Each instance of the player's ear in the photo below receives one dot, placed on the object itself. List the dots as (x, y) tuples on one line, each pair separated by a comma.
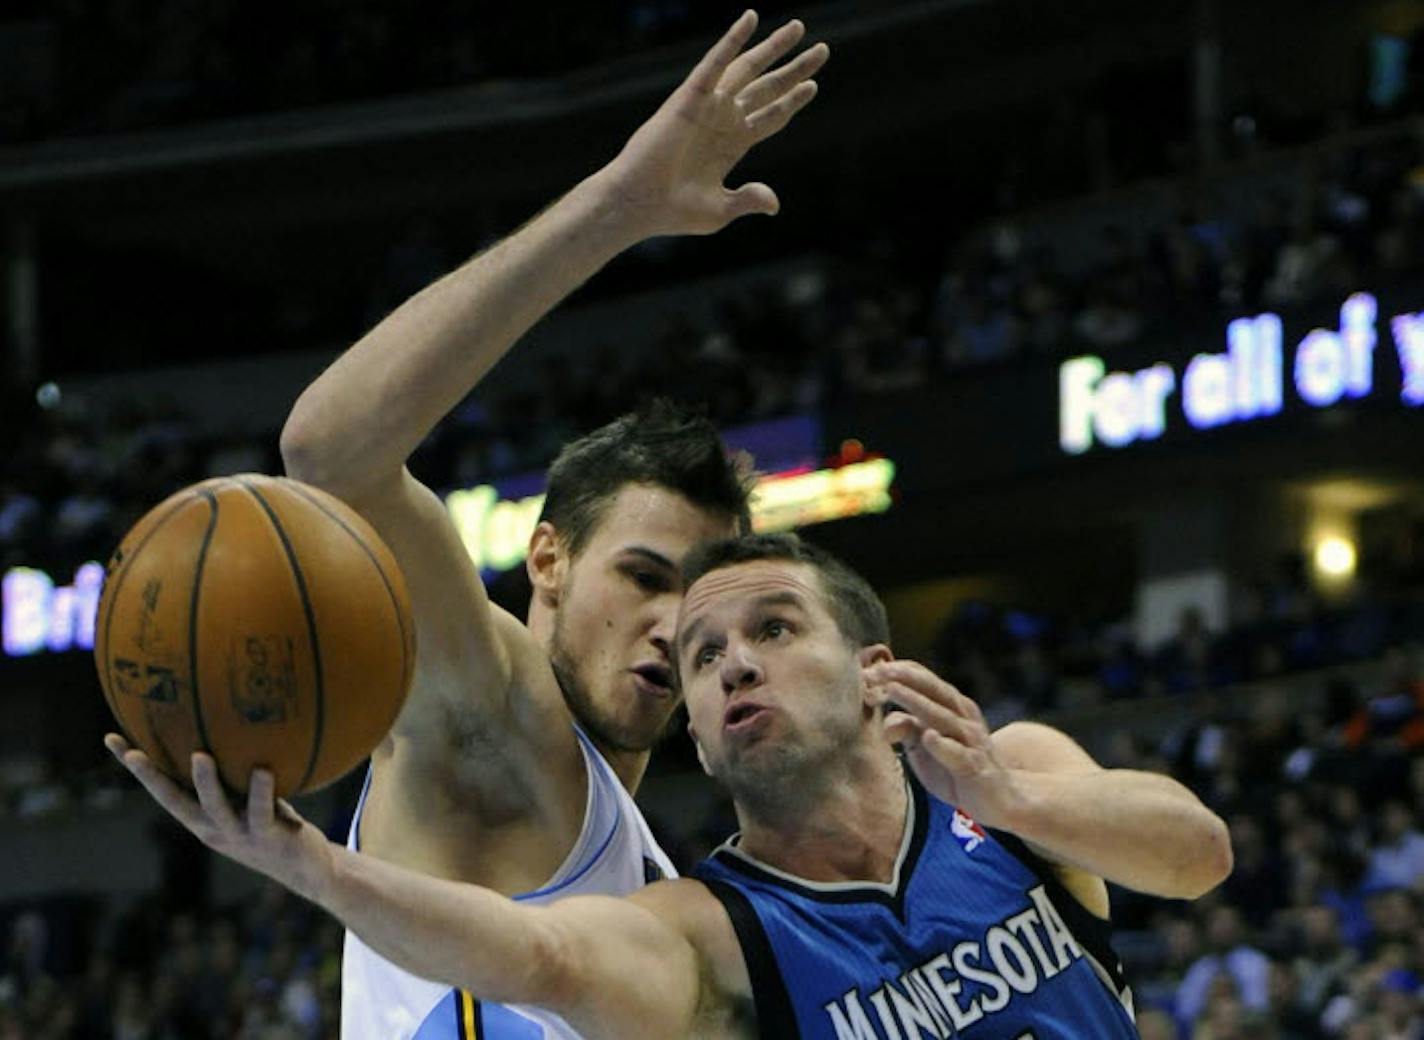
[(546, 564), (701, 757), (875, 653)]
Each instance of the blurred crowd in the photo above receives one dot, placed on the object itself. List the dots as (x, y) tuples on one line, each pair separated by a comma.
[(1319, 930), (269, 969), (1299, 236), (1025, 663)]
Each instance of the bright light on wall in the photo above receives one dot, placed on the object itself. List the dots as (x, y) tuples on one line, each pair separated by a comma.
[(1335, 557)]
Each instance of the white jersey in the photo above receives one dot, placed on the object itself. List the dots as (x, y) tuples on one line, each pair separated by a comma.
[(615, 853)]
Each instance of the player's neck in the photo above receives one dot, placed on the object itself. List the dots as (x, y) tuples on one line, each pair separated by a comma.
[(851, 832), (628, 766)]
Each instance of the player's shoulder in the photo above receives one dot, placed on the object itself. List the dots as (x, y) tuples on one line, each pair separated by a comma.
[(676, 898), (691, 907), (531, 674)]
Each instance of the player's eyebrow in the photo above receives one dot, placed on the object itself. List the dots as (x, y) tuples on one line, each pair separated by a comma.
[(689, 635), (650, 555), (784, 598)]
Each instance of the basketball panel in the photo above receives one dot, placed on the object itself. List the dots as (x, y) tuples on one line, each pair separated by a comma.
[(145, 639), (258, 667), (363, 618)]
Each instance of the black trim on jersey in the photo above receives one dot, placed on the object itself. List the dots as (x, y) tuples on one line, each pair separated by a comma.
[(1092, 932), (894, 901), (775, 1018)]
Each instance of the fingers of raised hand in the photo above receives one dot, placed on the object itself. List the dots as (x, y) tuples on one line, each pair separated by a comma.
[(918, 677), (765, 89), (774, 117), (763, 56), (961, 761), (704, 78), (934, 715), (902, 729), (751, 198)]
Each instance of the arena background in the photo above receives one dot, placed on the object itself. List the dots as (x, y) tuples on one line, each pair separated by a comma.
[(1202, 552)]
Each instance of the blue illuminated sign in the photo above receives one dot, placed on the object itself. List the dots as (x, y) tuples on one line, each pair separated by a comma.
[(38, 615), (1115, 409)]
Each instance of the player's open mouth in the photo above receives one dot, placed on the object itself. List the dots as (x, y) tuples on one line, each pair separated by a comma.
[(656, 678), (741, 713)]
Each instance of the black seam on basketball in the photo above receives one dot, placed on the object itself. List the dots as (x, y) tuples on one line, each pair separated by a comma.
[(108, 621), (193, 623), (296, 488), (311, 628)]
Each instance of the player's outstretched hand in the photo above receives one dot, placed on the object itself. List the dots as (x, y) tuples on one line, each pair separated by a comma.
[(670, 175), (945, 738), (271, 837)]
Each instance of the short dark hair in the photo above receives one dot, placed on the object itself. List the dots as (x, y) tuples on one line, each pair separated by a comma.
[(663, 444), (848, 597)]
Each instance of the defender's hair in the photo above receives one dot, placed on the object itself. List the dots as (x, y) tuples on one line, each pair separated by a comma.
[(662, 444), (848, 597)]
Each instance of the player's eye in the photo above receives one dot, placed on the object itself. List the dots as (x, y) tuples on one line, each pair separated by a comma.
[(775, 628), (648, 581), (705, 656)]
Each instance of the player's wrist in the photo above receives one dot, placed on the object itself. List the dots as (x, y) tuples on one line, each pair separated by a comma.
[(616, 204), (315, 877), (1018, 803)]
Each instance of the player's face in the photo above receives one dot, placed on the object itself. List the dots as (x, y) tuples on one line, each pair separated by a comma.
[(618, 609), (772, 685)]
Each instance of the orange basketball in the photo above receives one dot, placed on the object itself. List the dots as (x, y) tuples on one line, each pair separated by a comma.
[(258, 619)]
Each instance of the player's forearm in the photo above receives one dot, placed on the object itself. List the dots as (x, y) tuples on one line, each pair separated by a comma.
[(1141, 830), (460, 934), (361, 419)]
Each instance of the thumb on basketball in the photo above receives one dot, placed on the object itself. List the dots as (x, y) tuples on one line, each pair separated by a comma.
[(287, 816)]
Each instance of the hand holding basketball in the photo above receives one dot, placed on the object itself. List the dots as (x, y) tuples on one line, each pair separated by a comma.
[(260, 621), (271, 837)]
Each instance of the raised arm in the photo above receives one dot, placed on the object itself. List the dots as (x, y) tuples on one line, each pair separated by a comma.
[(353, 429), (612, 967), (356, 425), (1142, 830)]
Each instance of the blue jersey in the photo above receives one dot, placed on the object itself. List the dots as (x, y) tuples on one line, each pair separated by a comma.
[(974, 937)]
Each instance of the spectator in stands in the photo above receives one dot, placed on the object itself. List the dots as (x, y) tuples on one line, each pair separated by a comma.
[(1245, 969), (1255, 881), (1397, 860), (1395, 715), (1322, 962)]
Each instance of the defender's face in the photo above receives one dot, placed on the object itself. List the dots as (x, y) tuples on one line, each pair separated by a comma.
[(770, 681), (618, 610)]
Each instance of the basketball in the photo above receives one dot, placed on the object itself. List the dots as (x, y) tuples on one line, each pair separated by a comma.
[(258, 619)]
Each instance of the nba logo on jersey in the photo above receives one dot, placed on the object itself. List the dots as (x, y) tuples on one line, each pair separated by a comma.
[(968, 833)]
